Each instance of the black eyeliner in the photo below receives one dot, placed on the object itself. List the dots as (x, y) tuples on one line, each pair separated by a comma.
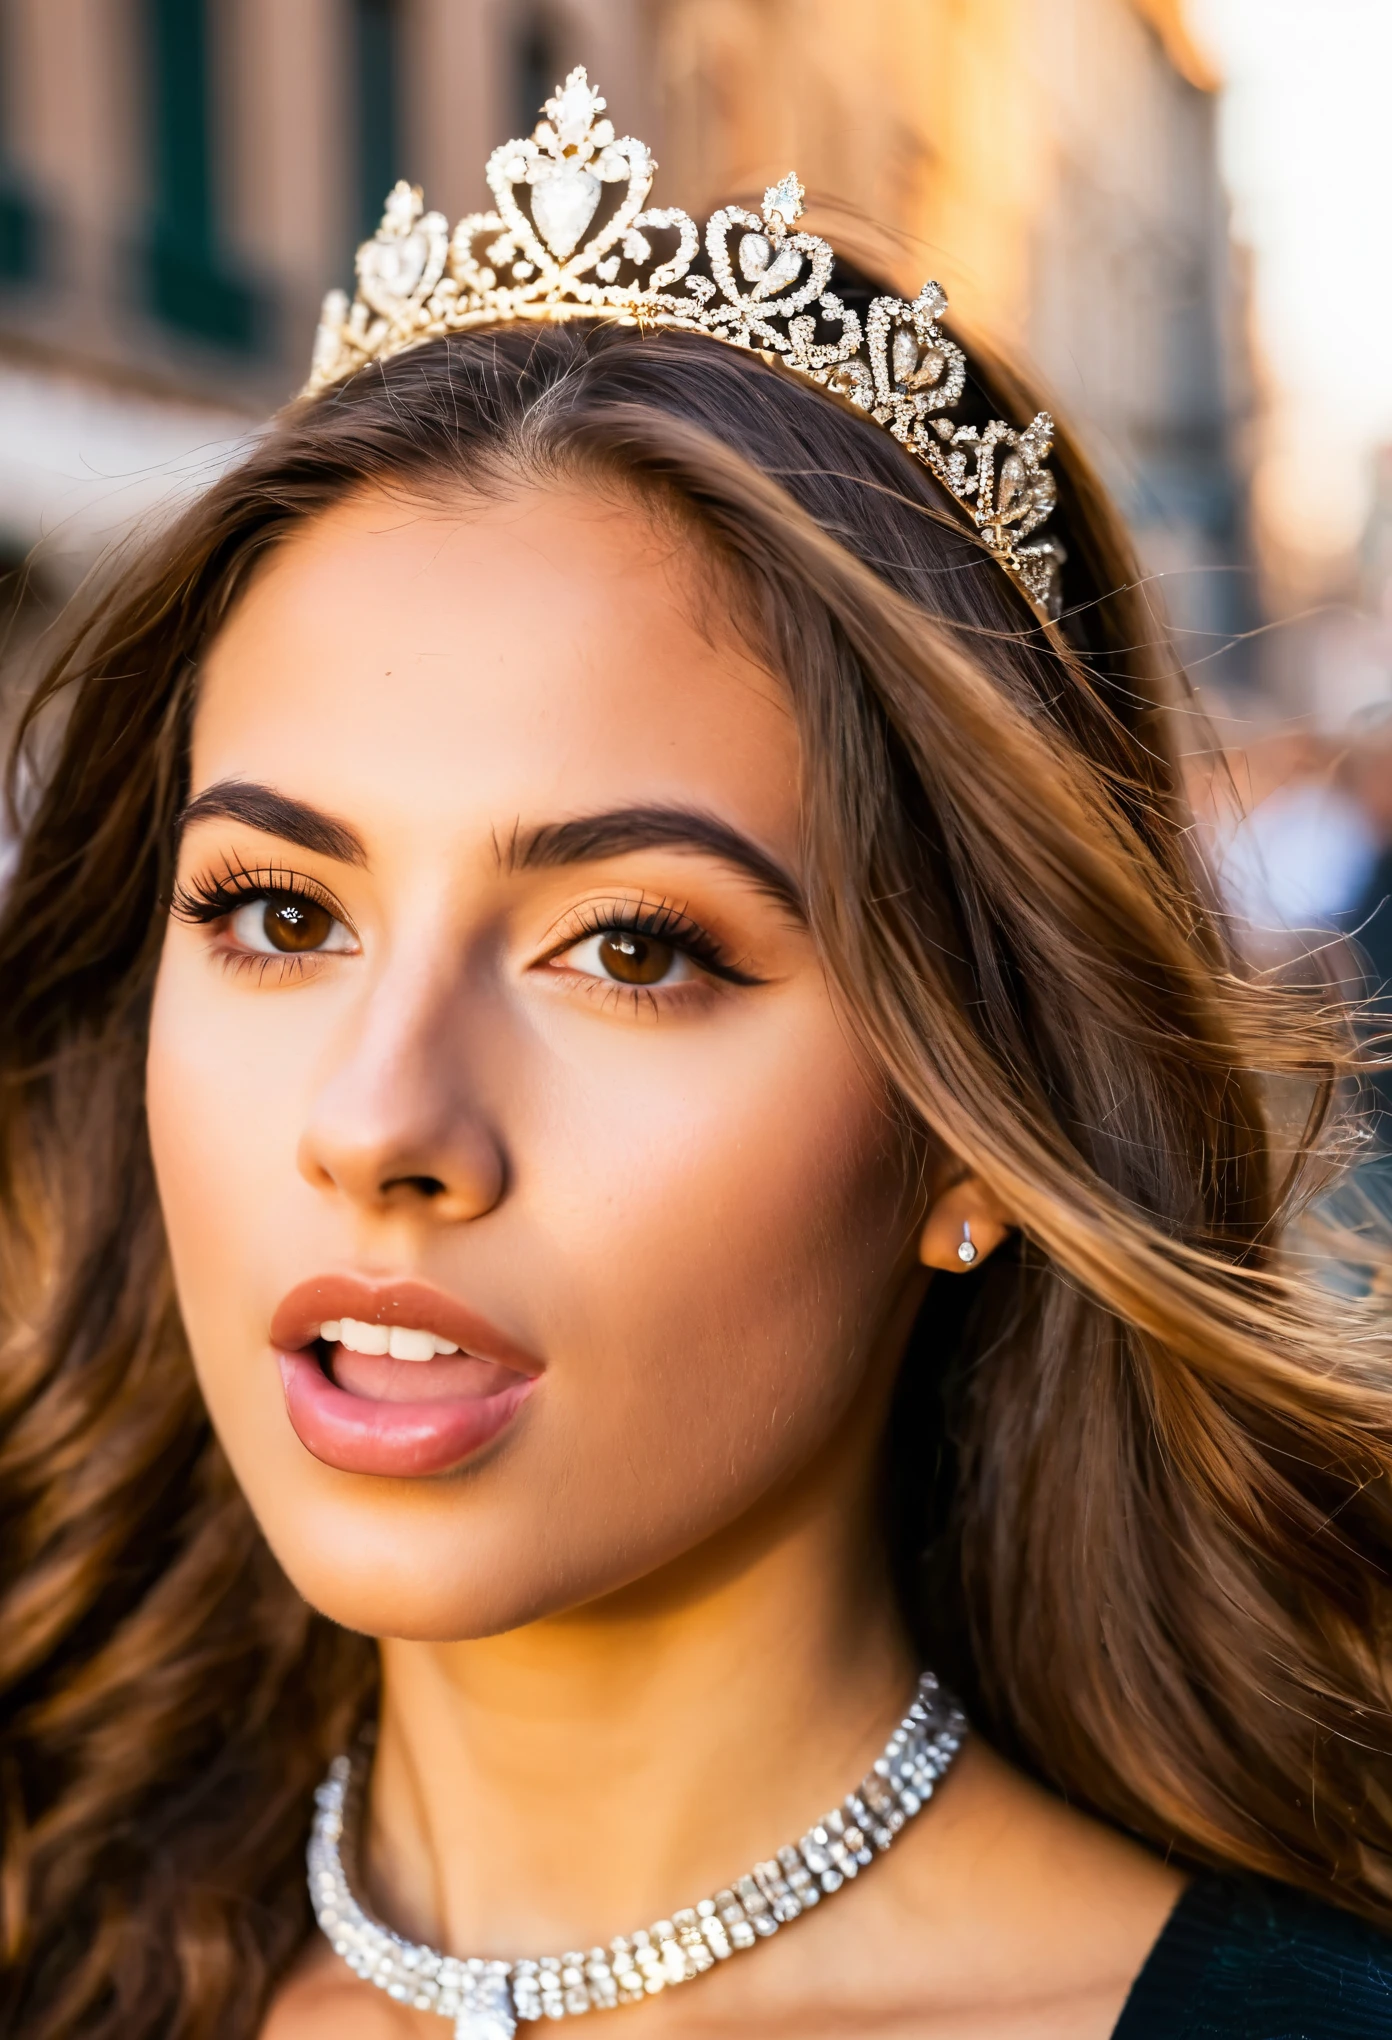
[(660, 924), (206, 900)]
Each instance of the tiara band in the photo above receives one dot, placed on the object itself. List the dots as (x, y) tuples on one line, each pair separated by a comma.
[(766, 290)]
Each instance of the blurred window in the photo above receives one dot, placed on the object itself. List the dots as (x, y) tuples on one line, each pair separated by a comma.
[(377, 76), (20, 240), (538, 65), (190, 284)]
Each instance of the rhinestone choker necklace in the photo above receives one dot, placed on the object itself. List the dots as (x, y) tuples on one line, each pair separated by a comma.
[(486, 1999)]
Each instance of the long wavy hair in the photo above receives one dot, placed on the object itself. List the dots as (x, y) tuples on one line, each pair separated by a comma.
[(1136, 1486)]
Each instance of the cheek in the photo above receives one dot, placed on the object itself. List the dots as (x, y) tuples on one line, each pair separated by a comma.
[(728, 1228), (225, 1095)]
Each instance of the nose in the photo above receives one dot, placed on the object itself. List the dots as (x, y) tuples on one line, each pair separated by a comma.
[(396, 1124)]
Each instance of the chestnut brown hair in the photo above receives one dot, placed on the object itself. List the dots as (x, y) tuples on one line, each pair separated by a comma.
[(1136, 1488)]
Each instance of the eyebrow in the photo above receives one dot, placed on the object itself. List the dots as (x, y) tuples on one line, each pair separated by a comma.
[(261, 807), (547, 847), (619, 830)]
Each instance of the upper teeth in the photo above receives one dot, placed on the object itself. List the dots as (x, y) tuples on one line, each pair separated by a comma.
[(402, 1342)]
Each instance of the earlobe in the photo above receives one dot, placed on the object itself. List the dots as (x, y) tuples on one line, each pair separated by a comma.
[(964, 1227)]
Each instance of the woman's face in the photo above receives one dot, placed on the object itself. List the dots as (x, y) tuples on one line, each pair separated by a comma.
[(488, 1032)]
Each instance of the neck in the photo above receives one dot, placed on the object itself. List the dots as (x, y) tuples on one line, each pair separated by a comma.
[(588, 1773)]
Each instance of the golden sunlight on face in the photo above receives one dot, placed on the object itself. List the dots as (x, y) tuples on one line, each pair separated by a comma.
[(532, 1214)]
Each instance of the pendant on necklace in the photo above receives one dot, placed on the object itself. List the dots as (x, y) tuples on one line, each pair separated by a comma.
[(487, 1999)]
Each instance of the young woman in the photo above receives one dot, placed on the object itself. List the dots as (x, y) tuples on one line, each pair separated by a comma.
[(627, 1119)]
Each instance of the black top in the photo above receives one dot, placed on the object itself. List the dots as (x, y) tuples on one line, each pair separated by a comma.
[(1242, 1960)]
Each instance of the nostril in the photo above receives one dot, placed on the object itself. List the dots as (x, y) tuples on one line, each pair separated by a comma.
[(423, 1186)]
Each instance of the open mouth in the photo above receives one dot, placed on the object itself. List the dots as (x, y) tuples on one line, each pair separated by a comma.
[(407, 1382), (402, 1364)]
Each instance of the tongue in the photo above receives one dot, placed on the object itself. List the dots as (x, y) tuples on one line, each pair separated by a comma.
[(454, 1377)]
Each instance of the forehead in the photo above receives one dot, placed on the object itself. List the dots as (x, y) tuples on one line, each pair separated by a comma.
[(549, 652)]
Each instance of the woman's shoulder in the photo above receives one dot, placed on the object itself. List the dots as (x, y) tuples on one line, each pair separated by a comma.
[(1242, 1959)]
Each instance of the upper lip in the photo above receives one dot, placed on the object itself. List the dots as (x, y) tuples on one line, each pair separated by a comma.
[(392, 1300)]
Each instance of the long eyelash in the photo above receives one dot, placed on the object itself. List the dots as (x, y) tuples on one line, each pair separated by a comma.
[(660, 923), (212, 897)]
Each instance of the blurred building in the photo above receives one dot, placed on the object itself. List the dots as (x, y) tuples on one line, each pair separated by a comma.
[(181, 179), (1054, 164), (1331, 667), (1375, 547)]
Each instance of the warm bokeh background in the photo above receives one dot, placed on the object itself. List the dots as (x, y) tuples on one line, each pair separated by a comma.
[(1175, 209)]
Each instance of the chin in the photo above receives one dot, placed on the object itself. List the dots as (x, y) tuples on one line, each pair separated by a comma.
[(406, 1587), (460, 1558)]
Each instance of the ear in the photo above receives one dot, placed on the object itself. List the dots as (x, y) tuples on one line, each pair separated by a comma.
[(967, 1215)]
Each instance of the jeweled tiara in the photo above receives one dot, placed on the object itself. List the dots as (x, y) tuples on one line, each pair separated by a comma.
[(417, 281)]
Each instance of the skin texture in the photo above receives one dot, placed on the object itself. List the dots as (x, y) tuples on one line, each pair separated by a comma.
[(646, 1633)]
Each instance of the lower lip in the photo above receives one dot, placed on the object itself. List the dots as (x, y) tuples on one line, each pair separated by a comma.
[(358, 1435)]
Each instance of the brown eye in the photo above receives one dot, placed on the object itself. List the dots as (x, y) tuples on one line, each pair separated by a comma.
[(294, 924), (285, 923), (635, 959)]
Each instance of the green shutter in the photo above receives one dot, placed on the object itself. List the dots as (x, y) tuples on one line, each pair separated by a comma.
[(20, 240), (377, 78), (190, 285)]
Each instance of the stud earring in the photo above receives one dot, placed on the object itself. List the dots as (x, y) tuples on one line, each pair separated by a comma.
[(966, 1253)]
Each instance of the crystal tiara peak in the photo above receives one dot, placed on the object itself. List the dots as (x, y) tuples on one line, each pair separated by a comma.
[(768, 292)]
